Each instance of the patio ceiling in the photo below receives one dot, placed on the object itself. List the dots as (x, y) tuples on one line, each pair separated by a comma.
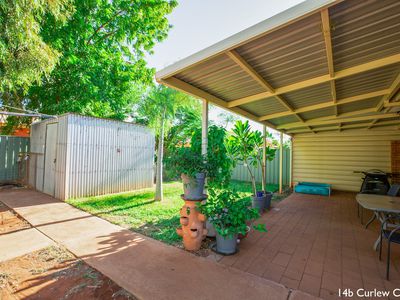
[(321, 65)]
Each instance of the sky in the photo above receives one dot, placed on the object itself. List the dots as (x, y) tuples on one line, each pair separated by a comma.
[(198, 24)]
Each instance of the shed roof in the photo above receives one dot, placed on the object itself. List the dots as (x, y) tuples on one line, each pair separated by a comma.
[(320, 65)]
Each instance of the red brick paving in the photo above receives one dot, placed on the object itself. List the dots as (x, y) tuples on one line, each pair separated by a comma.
[(317, 245)]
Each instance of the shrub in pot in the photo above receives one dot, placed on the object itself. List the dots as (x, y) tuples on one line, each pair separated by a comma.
[(219, 163), (257, 156), (246, 146), (192, 169), (228, 212)]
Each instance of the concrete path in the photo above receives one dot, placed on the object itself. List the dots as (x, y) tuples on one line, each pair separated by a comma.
[(22, 242), (147, 268)]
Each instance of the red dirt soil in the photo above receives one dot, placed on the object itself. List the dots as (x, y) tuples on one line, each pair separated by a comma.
[(54, 273), (9, 221)]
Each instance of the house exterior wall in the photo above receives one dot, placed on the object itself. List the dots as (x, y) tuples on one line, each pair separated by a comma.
[(331, 157)]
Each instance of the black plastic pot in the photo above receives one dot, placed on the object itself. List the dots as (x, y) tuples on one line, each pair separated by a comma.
[(258, 203), (226, 245), (268, 198), (193, 187)]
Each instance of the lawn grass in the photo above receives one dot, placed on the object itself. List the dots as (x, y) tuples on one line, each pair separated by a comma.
[(138, 211)]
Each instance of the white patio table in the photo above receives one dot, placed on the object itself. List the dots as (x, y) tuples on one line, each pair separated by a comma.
[(381, 205)]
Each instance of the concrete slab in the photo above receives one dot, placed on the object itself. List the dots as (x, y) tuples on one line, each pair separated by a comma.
[(298, 295), (147, 268), (22, 242)]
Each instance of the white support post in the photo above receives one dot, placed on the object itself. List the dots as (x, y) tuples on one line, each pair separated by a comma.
[(280, 163), (291, 164), (264, 158), (204, 128)]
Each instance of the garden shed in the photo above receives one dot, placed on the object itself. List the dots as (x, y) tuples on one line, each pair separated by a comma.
[(325, 72), (76, 156)]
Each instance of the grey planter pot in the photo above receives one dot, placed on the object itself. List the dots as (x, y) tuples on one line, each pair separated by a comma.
[(258, 203), (193, 187), (210, 229), (268, 198), (226, 245)]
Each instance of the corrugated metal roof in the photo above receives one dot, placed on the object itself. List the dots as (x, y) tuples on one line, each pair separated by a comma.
[(321, 62), (265, 106)]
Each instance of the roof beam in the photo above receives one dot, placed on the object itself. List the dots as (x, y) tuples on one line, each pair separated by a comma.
[(253, 73), (394, 87), (242, 63), (249, 70), (326, 104), (343, 127), (345, 115), (317, 80), (198, 93), (326, 30), (392, 104), (337, 120)]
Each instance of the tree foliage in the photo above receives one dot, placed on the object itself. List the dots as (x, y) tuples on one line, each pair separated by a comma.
[(101, 67), (24, 56)]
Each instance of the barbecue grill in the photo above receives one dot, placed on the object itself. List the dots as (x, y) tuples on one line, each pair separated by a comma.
[(375, 182)]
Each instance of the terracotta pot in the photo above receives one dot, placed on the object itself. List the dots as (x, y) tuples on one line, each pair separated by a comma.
[(243, 236), (192, 230)]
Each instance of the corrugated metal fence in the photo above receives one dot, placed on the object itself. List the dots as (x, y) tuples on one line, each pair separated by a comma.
[(10, 148), (240, 171)]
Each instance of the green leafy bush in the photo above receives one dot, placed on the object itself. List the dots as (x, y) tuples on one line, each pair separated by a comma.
[(218, 163), (228, 212), (185, 161), (186, 157)]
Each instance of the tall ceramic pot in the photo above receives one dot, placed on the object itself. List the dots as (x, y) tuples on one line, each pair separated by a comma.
[(258, 202), (268, 198), (193, 187)]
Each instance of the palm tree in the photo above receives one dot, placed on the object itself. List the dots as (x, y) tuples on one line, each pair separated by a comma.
[(159, 107)]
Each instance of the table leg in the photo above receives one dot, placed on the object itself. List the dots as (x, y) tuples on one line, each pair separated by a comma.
[(381, 217)]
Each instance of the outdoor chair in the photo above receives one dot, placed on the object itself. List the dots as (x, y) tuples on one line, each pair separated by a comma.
[(391, 235), (394, 191)]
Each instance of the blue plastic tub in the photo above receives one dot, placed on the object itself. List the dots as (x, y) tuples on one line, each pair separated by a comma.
[(313, 188)]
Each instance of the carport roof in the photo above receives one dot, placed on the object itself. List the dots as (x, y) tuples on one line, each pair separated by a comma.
[(321, 65)]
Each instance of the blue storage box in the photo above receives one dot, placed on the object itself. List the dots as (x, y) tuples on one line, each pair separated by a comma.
[(313, 188)]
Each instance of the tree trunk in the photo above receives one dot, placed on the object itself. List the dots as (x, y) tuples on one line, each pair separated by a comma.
[(159, 166), (253, 179)]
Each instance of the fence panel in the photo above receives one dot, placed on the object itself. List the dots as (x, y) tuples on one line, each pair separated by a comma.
[(240, 172), (10, 148)]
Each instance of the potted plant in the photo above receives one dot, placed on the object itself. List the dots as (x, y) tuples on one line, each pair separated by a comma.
[(192, 168), (218, 162), (257, 156), (228, 212), (242, 145)]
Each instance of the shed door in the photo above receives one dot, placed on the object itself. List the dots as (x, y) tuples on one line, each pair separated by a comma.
[(50, 159)]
